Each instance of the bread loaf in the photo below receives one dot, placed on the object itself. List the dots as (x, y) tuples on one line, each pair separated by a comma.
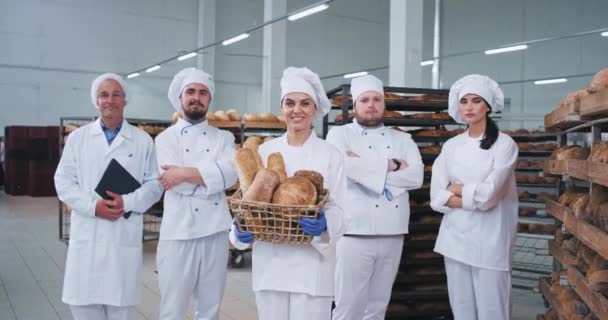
[(253, 144), (221, 115), (251, 117), (430, 150), (247, 168), (263, 186), (599, 81), (392, 114), (281, 118), (545, 196), (268, 117), (276, 163), (579, 207), (456, 132), (573, 153), (431, 133), (391, 96), (295, 191), (599, 153), (314, 177), (233, 115), (211, 117), (175, 117), (527, 211), (599, 195), (268, 138)]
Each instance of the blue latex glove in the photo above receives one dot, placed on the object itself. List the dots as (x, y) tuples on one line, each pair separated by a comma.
[(314, 227), (242, 236)]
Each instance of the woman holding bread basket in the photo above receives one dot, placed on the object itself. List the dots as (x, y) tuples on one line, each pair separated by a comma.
[(473, 184), (296, 281)]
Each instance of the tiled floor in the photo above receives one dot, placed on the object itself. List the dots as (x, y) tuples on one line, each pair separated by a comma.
[(32, 263)]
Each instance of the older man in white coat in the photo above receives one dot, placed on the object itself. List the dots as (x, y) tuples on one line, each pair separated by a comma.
[(197, 165), (104, 260), (381, 165)]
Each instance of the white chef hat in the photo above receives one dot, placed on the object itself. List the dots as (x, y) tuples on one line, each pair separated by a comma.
[(482, 86), (106, 76), (184, 78), (305, 81), (365, 83)]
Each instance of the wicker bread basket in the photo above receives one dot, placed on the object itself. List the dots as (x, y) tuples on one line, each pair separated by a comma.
[(274, 223)]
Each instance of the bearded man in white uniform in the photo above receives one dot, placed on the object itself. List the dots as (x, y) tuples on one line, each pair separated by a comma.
[(104, 260), (197, 166), (381, 165)]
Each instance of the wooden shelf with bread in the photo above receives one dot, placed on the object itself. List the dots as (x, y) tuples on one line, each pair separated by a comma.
[(264, 122), (581, 244), (152, 217)]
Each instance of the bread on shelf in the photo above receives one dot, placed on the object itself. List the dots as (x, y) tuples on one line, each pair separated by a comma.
[(599, 81)]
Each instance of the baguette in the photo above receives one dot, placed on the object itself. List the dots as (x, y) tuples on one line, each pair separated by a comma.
[(276, 163), (247, 168)]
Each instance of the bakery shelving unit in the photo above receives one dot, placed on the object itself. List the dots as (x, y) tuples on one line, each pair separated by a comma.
[(420, 289), (535, 228), (153, 216), (235, 127), (582, 228)]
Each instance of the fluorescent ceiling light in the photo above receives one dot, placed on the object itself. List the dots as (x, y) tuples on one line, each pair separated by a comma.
[(235, 39), (549, 81), (133, 75), (605, 34), (186, 56), (507, 49), (307, 12), (152, 69), (354, 75), (427, 63)]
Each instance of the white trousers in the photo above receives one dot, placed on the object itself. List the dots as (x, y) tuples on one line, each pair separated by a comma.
[(100, 312), (366, 268), (280, 305), (478, 294), (192, 269)]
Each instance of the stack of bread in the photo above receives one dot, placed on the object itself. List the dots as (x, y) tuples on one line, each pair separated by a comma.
[(430, 115), (524, 146), (599, 82), (151, 130), (262, 187), (533, 179), (222, 116), (599, 153), (572, 152), (263, 117), (439, 133)]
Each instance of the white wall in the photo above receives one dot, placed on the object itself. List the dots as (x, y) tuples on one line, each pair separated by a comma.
[(51, 51), (238, 67), (477, 25)]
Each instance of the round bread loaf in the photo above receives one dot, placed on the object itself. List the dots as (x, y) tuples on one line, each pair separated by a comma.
[(295, 191)]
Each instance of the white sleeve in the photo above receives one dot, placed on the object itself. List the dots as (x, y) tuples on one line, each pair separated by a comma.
[(440, 181), (220, 174), (66, 181), (166, 154), (486, 195), (334, 209), (400, 181), (369, 172), (150, 190)]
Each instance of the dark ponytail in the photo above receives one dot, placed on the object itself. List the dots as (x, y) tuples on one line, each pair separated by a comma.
[(491, 134)]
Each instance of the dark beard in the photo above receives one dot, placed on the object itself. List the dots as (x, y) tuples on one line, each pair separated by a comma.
[(195, 115), (370, 123)]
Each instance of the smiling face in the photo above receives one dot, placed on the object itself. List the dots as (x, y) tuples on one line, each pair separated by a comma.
[(299, 110), (473, 109), (195, 99), (369, 108), (111, 99)]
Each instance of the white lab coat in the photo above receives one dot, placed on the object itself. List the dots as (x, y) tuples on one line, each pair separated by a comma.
[(377, 201), (104, 257), (482, 233), (194, 211), (304, 268)]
